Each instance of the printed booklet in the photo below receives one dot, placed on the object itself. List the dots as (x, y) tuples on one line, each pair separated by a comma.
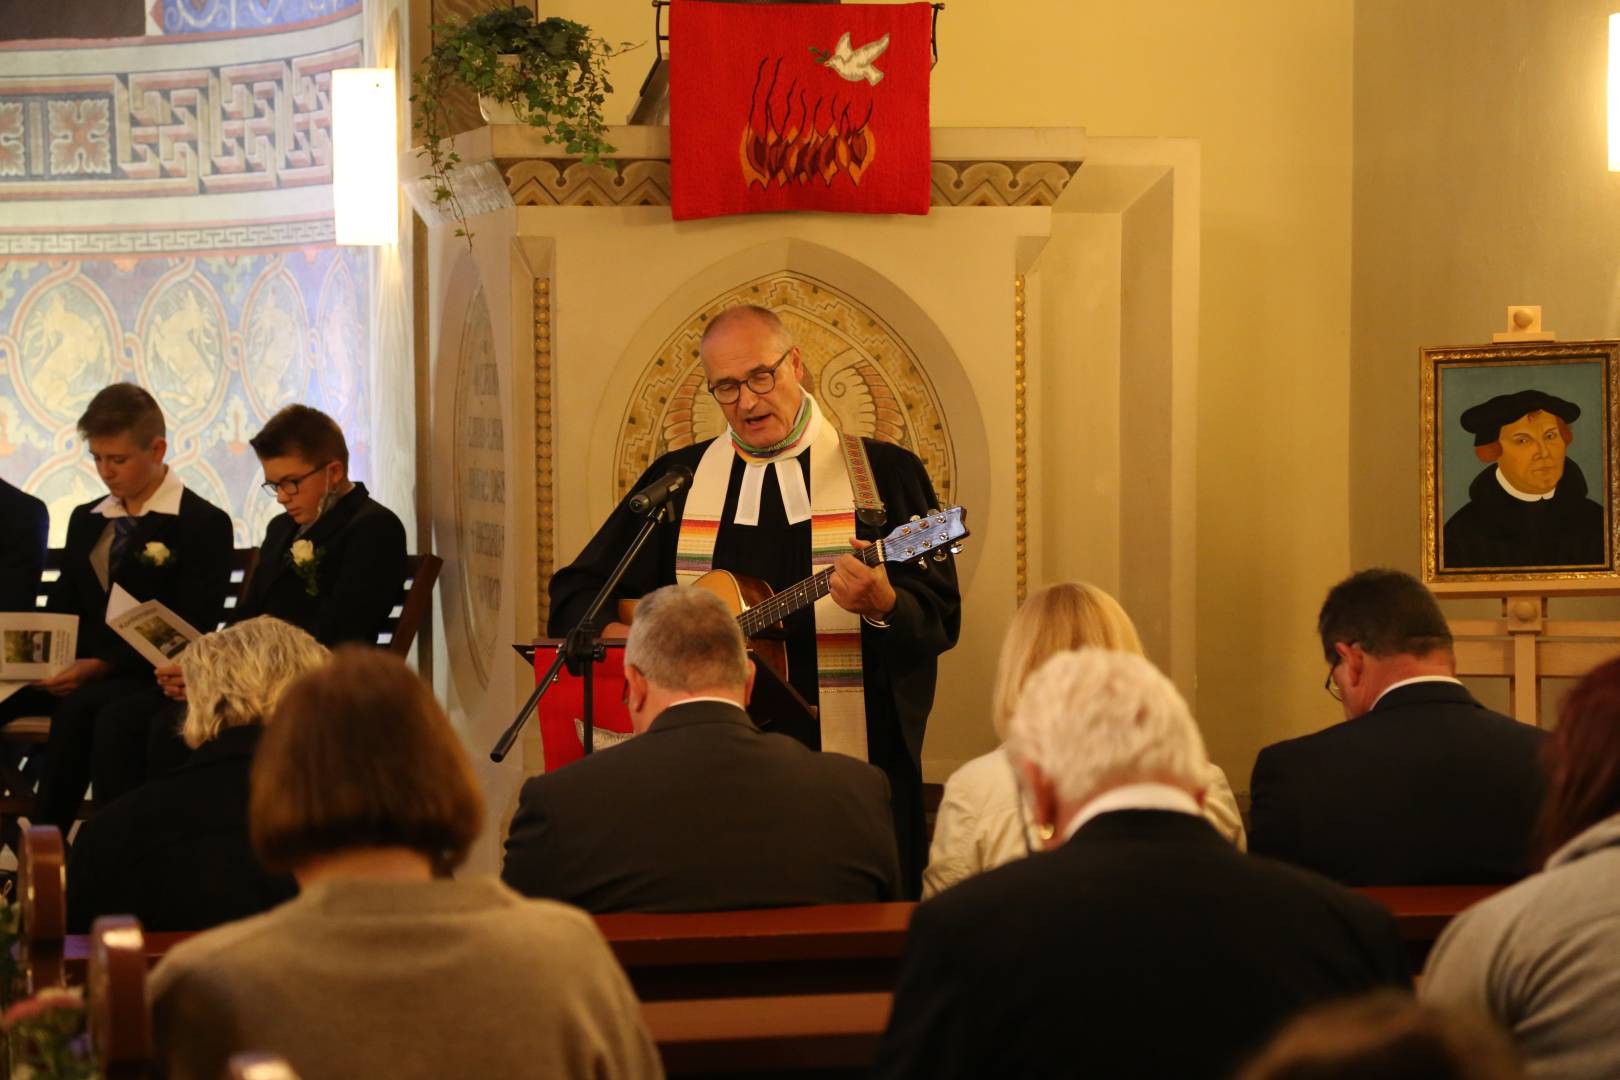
[(155, 632), (34, 645)]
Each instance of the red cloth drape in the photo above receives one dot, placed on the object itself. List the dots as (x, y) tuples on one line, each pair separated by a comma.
[(799, 107)]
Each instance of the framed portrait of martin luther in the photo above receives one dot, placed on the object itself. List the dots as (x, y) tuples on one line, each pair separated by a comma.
[(1519, 468)]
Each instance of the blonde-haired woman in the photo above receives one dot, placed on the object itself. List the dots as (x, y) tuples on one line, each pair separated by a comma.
[(175, 852), (981, 823)]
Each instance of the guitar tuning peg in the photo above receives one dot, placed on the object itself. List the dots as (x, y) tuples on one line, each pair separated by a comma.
[(932, 512), (917, 517), (939, 556), (956, 549), (923, 562)]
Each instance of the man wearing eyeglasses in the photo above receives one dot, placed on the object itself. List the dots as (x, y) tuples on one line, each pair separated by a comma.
[(1421, 784), (772, 499)]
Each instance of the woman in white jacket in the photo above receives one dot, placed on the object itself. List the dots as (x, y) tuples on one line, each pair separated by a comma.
[(981, 823)]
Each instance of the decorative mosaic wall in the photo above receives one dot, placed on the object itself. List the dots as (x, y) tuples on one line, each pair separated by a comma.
[(205, 130), (213, 16), (148, 234), (222, 343)]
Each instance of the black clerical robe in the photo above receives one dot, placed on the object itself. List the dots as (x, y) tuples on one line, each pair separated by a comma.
[(1493, 529), (898, 664)]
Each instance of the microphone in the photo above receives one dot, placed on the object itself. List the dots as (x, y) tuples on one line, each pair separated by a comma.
[(658, 492)]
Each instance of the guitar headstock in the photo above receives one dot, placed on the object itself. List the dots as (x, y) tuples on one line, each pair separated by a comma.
[(938, 533)]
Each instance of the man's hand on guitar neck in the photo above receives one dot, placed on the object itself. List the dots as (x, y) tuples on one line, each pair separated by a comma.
[(862, 589)]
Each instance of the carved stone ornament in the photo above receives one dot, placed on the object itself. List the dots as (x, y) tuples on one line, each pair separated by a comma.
[(568, 182)]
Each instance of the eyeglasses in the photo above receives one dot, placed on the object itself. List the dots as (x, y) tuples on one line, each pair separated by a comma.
[(760, 381), (1330, 686), (288, 485)]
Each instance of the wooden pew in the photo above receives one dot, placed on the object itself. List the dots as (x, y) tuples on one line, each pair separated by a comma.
[(42, 913), (1422, 911), (830, 1033), (847, 948), (808, 950), (120, 1023)]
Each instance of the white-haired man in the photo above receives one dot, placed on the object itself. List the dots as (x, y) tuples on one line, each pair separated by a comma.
[(701, 811), (1144, 944)]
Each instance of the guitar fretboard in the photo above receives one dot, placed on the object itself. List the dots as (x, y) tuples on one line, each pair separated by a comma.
[(780, 605)]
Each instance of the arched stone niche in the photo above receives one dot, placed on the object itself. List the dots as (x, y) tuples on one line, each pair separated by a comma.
[(878, 363)]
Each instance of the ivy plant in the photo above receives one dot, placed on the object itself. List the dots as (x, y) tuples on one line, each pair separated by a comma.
[(552, 72)]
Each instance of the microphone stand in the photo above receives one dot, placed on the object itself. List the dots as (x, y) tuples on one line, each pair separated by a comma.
[(581, 649)]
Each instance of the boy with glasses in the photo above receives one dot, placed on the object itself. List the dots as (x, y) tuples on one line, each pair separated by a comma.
[(332, 564)]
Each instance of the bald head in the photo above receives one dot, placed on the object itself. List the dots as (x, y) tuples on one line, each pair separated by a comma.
[(747, 315)]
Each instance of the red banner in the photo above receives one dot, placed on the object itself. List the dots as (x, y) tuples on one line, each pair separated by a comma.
[(798, 107)]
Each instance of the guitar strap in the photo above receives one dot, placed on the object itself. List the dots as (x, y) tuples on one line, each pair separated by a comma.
[(842, 707), (868, 507)]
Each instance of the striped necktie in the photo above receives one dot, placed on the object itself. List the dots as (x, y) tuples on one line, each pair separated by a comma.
[(123, 531)]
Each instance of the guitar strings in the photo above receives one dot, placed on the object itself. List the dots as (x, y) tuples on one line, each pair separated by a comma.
[(778, 606)]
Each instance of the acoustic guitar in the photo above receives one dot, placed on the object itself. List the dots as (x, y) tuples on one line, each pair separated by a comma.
[(760, 611)]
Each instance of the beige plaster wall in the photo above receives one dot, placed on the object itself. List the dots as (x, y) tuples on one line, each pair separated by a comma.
[(1480, 181), (1266, 87)]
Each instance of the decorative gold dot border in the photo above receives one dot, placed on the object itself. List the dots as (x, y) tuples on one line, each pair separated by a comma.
[(543, 480), (1020, 447)]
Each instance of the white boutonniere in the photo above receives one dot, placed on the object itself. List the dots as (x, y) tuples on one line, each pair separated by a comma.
[(156, 553), (306, 563)]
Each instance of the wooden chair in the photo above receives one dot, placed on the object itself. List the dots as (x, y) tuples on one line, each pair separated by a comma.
[(29, 732), (416, 595), (42, 908), (120, 1023), (260, 1067)]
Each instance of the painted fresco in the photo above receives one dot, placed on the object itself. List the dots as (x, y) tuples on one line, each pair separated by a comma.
[(213, 16), (222, 343)]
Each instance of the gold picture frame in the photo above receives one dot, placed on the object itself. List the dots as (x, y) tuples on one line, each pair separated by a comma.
[(1531, 497)]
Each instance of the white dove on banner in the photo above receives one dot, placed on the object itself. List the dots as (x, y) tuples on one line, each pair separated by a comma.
[(856, 64)]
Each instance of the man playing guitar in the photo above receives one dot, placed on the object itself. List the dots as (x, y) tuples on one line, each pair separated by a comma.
[(775, 500)]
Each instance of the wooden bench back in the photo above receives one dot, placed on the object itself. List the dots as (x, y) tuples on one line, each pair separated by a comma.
[(243, 562), (42, 901), (120, 1023), (416, 594), (399, 631)]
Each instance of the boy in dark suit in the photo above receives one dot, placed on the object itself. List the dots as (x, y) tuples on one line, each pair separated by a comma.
[(156, 539), (332, 564), (24, 526)]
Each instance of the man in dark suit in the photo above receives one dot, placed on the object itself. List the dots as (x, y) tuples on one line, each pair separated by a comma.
[(1420, 784), (156, 539), (1142, 944), (700, 811), (332, 563), (24, 526)]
